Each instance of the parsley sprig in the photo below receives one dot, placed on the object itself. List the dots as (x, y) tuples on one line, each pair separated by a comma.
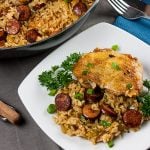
[(144, 98), (70, 61), (59, 76)]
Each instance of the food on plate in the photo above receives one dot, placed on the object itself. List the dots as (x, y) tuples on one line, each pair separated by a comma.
[(99, 95), (27, 21)]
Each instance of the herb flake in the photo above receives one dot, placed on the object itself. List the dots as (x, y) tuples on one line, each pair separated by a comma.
[(90, 91), (115, 66), (115, 47), (90, 65), (129, 86), (79, 96), (82, 118), (110, 144), (105, 123), (85, 72)]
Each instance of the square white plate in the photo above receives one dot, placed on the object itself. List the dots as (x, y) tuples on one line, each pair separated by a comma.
[(36, 99)]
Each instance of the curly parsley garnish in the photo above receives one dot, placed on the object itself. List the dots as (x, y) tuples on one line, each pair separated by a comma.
[(146, 83), (59, 76), (70, 61), (144, 98)]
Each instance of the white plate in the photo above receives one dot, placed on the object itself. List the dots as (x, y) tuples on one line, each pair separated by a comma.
[(36, 99)]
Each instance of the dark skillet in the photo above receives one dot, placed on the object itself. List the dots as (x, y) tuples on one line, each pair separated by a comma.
[(48, 43)]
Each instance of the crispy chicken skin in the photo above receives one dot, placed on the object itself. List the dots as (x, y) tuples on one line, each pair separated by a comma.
[(118, 73)]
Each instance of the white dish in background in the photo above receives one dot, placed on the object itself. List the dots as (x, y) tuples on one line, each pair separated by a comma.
[(36, 99)]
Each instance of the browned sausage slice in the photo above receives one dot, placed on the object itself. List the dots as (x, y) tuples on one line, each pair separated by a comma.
[(3, 35), (2, 43), (24, 12), (106, 109), (32, 35), (91, 98), (38, 6), (13, 26), (88, 112), (97, 95), (63, 102), (80, 8), (132, 118)]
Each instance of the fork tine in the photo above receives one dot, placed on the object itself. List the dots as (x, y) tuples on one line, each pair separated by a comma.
[(115, 7), (119, 2), (124, 3), (120, 6)]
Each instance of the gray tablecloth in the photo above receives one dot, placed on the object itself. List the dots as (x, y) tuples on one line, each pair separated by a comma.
[(29, 136)]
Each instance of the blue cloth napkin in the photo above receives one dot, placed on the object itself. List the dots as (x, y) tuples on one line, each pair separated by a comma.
[(139, 28), (146, 1)]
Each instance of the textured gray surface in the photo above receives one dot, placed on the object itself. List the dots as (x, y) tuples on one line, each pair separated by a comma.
[(12, 72)]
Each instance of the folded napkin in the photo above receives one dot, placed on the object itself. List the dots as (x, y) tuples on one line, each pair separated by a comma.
[(139, 28), (146, 1)]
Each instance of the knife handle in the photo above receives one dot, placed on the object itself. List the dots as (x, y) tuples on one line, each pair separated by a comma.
[(8, 112)]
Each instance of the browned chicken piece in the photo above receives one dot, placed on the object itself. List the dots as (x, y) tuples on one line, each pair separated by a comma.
[(118, 73)]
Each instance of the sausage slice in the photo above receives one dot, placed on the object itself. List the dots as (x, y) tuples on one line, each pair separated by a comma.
[(3, 35), (24, 12), (80, 8), (32, 35), (63, 102), (2, 43), (106, 109), (132, 118), (91, 98), (97, 95), (13, 26), (89, 113)]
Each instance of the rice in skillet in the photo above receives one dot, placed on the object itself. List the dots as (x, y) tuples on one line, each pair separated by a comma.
[(27, 21)]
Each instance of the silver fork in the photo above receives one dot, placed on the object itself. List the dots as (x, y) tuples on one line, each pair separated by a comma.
[(126, 10)]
